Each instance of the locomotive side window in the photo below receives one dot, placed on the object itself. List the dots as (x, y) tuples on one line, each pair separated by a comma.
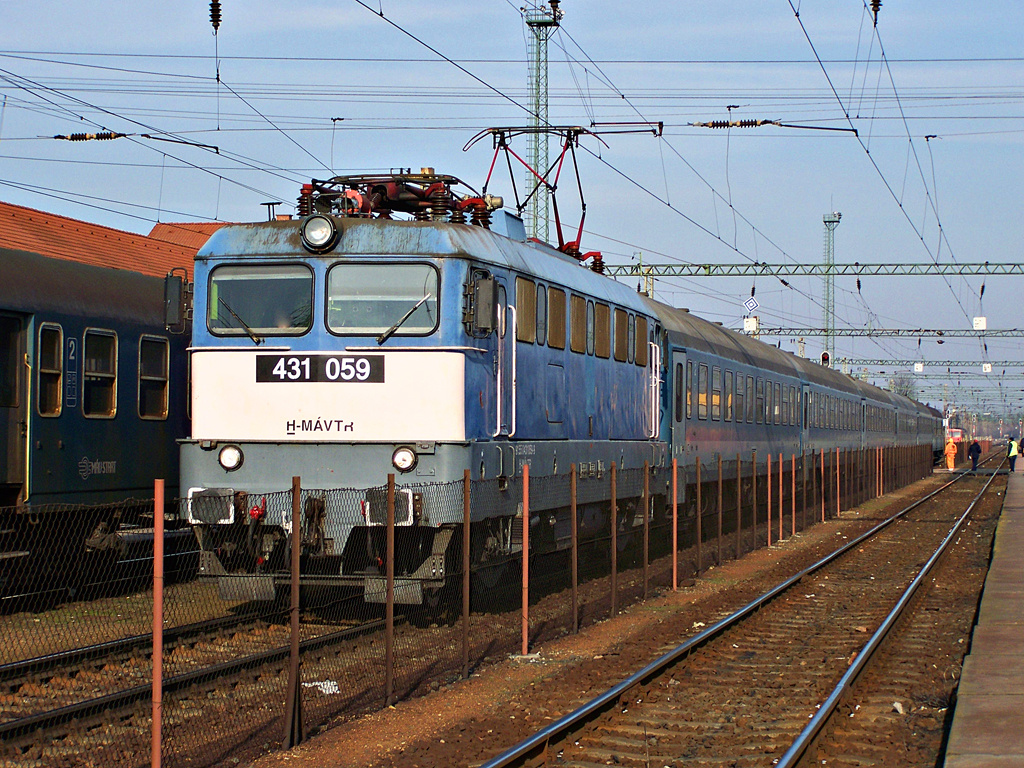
[(759, 407), (641, 341), (621, 335), (154, 359), (526, 306), (50, 370), (362, 299), (602, 331), (630, 339), (590, 328), (556, 318), (99, 383), (577, 323), (680, 386), (273, 300), (702, 392), (727, 401), (716, 393), (542, 314), (750, 400)]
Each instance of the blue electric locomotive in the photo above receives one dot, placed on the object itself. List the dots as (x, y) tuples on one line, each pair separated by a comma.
[(350, 344)]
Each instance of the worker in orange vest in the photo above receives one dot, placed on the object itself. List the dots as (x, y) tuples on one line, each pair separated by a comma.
[(950, 454)]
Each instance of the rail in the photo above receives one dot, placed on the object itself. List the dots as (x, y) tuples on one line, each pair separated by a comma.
[(528, 748)]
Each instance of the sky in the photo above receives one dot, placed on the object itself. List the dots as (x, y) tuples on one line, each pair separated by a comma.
[(343, 86)]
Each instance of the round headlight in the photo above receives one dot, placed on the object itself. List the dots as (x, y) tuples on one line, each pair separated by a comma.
[(318, 233), (404, 459), (230, 457)]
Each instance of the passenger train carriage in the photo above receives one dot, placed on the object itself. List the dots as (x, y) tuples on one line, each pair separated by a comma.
[(349, 344)]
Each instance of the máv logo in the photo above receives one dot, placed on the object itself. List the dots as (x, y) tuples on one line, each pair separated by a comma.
[(88, 468)]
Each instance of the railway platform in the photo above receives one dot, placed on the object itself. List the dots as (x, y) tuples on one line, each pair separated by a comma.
[(988, 722)]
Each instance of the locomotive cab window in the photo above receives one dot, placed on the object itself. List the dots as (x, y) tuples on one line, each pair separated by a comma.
[(372, 299), (154, 358), (99, 383), (50, 370), (264, 300)]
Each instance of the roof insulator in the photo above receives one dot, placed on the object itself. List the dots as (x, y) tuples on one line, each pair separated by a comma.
[(875, 5), (215, 15)]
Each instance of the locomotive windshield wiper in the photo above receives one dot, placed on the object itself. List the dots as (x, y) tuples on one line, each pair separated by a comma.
[(390, 331), (257, 340)]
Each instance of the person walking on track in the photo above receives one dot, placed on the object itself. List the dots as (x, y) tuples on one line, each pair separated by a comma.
[(974, 453), (950, 454)]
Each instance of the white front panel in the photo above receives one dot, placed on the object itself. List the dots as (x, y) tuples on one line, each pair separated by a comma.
[(421, 398)]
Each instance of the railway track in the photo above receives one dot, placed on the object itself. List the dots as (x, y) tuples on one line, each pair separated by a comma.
[(764, 685)]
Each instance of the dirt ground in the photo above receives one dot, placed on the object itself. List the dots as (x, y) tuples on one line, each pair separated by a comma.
[(514, 687)]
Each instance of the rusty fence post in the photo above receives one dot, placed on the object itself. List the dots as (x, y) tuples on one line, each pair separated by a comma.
[(646, 501), (526, 559), (389, 599), (294, 732), (675, 525), (719, 509), (839, 507), (466, 493), (158, 621), (792, 491), (739, 503), (753, 494), (700, 536), (782, 469), (823, 485), (575, 551), (769, 515), (615, 542)]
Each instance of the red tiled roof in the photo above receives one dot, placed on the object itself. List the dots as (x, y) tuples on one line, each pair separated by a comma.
[(191, 234), (59, 237)]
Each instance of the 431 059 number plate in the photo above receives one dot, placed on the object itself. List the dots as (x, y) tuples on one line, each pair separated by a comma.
[(346, 369)]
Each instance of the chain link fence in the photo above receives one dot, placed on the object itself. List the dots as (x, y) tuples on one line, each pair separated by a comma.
[(375, 623)]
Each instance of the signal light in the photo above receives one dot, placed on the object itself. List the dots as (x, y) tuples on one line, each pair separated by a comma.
[(826, 359)]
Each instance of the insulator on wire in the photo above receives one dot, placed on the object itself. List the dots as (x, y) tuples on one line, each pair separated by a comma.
[(103, 136), (982, 294), (875, 6), (215, 15), (858, 285), (752, 289)]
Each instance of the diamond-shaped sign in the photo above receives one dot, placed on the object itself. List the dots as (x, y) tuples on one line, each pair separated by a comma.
[(751, 304)]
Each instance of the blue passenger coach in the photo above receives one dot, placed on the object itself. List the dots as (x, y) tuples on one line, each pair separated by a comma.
[(350, 344)]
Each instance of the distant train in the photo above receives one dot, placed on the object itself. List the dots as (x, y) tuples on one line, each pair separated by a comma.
[(350, 344), (92, 400)]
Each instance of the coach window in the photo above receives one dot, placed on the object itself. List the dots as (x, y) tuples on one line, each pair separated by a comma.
[(785, 405), (779, 405), (680, 386), (716, 393), (740, 412), (727, 396), (641, 341), (590, 327), (154, 358), (602, 331), (526, 310), (10, 361), (794, 406), (750, 399), (702, 392), (556, 318), (277, 299), (49, 370), (99, 383), (759, 407), (769, 403), (621, 335), (691, 388), (577, 324)]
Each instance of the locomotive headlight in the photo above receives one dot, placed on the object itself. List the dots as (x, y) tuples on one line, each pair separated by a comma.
[(318, 233), (404, 459), (230, 457)]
